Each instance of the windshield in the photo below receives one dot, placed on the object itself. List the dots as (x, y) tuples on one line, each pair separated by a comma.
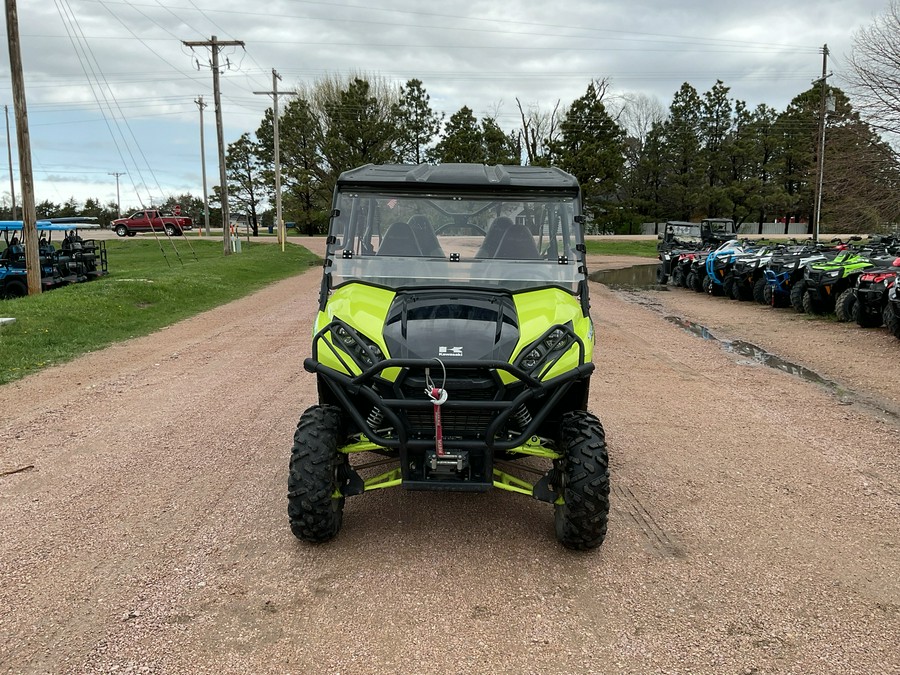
[(514, 241)]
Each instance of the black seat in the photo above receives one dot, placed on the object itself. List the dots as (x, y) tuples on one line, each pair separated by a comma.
[(498, 228), (425, 237), (517, 244), (399, 240)]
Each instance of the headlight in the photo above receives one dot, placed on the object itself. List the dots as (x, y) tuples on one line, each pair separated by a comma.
[(547, 349), (363, 351), (834, 273), (555, 340), (531, 359)]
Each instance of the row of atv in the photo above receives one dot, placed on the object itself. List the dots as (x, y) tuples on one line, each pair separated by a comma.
[(854, 279), (76, 260)]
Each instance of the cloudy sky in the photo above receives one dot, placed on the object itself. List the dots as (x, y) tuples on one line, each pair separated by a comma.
[(111, 88)]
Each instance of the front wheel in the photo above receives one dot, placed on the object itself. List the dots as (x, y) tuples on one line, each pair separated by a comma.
[(798, 291), (844, 305), (759, 290), (315, 501), (121, 230), (170, 231), (661, 277), (582, 511), (892, 320)]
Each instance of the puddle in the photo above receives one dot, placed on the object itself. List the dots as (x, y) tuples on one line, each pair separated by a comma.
[(636, 276), (755, 354)]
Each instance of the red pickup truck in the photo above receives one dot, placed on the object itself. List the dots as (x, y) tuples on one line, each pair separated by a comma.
[(152, 221)]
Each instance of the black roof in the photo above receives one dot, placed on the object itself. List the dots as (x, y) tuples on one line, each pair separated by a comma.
[(476, 176)]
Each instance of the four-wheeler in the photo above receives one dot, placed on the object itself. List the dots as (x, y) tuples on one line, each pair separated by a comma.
[(871, 294), (453, 340), (784, 275), (892, 310), (748, 274), (718, 266), (830, 284)]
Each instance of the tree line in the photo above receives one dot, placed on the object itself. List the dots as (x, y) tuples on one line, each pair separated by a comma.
[(707, 155)]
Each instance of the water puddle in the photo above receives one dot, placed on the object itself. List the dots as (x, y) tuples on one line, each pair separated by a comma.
[(636, 276), (755, 354)]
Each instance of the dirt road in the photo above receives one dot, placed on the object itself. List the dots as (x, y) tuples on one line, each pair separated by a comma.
[(754, 528)]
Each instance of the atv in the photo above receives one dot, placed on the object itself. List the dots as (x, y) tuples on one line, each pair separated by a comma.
[(830, 284), (871, 295), (453, 339), (892, 310), (747, 278), (718, 266), (784, 275)]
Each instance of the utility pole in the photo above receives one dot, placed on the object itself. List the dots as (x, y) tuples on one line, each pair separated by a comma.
[(820, 164), (118, 200), (215, 45), (29, 216), (12, 182), (274, 94), (201, 105)]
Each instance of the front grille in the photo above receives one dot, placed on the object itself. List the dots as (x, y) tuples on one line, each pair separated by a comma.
[(458, 422), (816, 276)]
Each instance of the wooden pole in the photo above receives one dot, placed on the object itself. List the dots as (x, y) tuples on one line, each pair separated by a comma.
[(215, 45), (29, 216)]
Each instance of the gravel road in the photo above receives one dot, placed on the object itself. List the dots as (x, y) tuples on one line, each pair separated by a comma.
[(754, 526)]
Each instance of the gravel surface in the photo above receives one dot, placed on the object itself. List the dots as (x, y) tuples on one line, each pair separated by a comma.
[(754, 526)]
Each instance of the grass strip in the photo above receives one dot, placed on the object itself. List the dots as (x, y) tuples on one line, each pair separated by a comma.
[(148, 287)]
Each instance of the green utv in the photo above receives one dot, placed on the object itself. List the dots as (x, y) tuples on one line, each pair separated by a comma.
[(453, 341)]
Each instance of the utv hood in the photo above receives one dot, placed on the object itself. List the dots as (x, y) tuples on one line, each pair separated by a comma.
[(451, 325)]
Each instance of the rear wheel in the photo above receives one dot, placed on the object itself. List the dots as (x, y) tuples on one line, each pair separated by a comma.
[(844, 305), (582, 512), (315, 501), (798, 290)]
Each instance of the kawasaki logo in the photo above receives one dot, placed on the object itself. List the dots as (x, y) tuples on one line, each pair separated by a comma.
[(450, 351)]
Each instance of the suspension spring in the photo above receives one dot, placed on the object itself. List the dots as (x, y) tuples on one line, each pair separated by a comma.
[(522, 417), (375, 418)]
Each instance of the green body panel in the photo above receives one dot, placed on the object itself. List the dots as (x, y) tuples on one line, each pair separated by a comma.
[(539, 310), (364, 308), (845, 263)]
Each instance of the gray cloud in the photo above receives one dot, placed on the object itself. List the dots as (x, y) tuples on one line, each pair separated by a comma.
[(473, 52)]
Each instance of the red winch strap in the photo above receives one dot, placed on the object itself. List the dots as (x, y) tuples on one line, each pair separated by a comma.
[(438, 431), (438, 397)]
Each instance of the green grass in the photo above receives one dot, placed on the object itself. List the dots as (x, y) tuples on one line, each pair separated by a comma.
[(141, 294), (644, 249)]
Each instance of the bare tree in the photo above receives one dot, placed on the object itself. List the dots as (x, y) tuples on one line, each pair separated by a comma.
[(540, 131), (637, 114), (874, 77)]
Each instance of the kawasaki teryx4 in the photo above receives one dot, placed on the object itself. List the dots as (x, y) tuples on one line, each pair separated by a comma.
[(453, 339)]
